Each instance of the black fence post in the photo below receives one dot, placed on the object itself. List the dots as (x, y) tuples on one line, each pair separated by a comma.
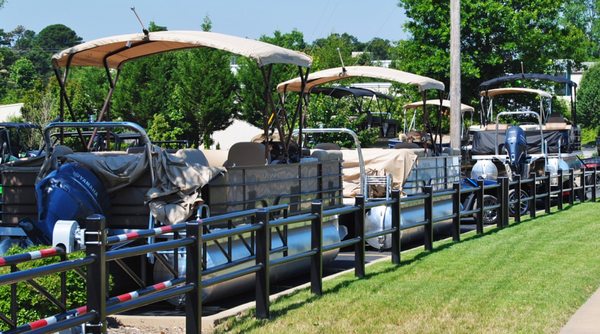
[(359, 228), (504, 187), (193, 275), (532, 208), (560, 189), (263, 244), (95, 241), (500, 200), (582, 191), (456, 212), (316, 243), (428, 227), (571, 186), (594, 182), (480, 206), (517, 192), (547, 203), (397, 234)]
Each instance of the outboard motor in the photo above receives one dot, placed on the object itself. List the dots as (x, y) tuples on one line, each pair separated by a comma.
[(516, 147), (72, 192)]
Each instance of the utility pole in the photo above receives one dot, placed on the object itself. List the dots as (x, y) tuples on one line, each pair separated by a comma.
[(455, 112)]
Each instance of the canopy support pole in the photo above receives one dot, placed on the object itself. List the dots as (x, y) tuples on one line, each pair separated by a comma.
[(64, 99)]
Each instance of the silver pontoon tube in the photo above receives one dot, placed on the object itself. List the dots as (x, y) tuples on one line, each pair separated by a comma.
[(298, 242)]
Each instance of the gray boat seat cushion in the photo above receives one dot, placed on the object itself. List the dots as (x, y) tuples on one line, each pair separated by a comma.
[(328, 146), (192, 156), (326, 155), (246, 154)]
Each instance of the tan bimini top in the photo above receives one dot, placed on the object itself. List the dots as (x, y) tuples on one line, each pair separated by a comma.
[(122, 48), (338, 73), (445, 104), (514, 90)]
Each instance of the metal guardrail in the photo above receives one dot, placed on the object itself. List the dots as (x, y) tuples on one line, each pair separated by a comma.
[(197, 235)]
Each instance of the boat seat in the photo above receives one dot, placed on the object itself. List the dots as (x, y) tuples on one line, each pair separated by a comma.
[(556, 126), (492, 127), (327, 155), (216, 158), (246, 154), (192, 156), (556, 122), (328, 146)]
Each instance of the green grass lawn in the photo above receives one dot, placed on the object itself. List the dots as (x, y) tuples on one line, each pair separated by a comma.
[(527, 278)]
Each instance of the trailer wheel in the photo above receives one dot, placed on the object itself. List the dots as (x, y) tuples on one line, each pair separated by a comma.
[(490, 216), (512, 196)]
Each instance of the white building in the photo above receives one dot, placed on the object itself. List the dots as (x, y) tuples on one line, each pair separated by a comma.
[(9, 112)]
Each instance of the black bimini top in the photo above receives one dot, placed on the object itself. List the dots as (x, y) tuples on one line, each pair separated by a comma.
[(525, 76), (339, 92)]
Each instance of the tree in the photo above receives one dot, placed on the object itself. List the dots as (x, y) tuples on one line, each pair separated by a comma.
[(378, 48), (326, 51), (251, 96), (56, 37), (585, 15), (22, 74), (22, 39), (588, 98), (496, 37)]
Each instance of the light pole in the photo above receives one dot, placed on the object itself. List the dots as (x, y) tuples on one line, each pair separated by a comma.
[(455, 119)]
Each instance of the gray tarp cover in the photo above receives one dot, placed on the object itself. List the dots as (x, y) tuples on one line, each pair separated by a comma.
[(484, 141), (177, 186)]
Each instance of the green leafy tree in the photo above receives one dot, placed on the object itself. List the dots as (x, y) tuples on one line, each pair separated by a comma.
[(56, 37), (588, 98), (378, 48), (22, 74), (251, 96), (326, 51), (48, 41), (496, 37), (585, 15)]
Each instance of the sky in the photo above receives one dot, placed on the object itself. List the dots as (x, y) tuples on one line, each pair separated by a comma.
[(245, 18)]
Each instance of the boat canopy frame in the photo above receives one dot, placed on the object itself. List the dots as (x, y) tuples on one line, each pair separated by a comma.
[(571, 85), (381, 73), (357, 94), (491, 94), (445, 104), (111, 53)]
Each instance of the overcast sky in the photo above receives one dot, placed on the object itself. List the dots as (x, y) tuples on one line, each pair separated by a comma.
[(246, 18)]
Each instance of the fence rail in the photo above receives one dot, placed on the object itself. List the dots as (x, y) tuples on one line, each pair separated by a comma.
[(256, 236)]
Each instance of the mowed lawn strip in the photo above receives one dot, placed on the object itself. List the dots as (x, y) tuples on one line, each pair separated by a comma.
[(528, 278)]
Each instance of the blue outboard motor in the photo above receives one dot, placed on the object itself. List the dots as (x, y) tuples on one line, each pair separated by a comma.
[(72, 192), (516, 147)]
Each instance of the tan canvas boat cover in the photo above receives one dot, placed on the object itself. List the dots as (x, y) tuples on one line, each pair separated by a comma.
[(378, 161), (338, 73), (445, 104), (514, 90), (122, 48)]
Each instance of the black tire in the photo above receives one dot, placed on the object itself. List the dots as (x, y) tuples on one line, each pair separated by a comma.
[(524, 204), (490, 216)]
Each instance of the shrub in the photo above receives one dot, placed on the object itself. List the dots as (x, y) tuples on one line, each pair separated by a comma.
[(32, 305), (588, 98)]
